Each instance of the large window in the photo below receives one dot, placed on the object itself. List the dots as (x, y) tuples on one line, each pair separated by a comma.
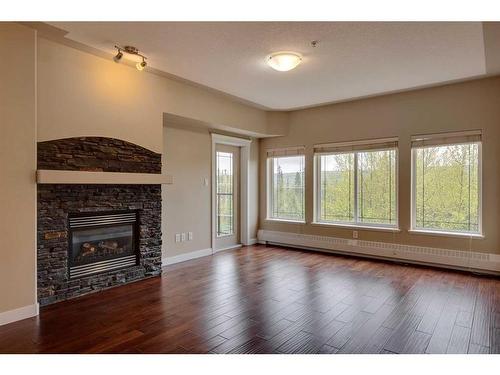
[(286, 185), (225, 194), (447, 183), (356, 183)]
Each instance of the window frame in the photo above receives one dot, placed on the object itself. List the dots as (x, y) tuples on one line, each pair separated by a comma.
[(413, 208), (217, 195), (354, 224), (270, 187)]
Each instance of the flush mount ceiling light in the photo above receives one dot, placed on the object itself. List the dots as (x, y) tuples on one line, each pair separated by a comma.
[(132, 51), (284, 61)]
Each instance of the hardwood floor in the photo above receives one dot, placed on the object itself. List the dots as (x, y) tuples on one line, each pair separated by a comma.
[(262, 299)]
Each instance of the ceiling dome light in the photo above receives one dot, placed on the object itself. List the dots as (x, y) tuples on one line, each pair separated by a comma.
[(284, 61)]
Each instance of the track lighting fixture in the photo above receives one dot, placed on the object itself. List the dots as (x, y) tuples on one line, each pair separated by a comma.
[(132, 51)]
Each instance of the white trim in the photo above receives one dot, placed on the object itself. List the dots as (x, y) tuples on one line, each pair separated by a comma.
[(446, 234), (270, 219), (166, 261), (253, 241), (244, 183), (21, 313), (457, 259), (357, 226), (232, 247), (44, 176)]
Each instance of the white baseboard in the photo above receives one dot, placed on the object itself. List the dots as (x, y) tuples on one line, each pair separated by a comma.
[(21, 313), (252, 241), (187, 256), (234, 247), (457, 259)]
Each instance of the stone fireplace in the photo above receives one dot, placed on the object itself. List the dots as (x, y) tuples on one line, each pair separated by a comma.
[(95, 236)]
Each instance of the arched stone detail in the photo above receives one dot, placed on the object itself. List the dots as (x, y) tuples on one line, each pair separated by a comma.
[(97, 154)]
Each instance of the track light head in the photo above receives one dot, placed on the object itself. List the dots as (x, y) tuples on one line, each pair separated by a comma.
[(141, 65), (118, 56)]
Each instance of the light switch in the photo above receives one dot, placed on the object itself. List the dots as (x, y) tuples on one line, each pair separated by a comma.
[(177, 237), (190, 236), (183, 237)]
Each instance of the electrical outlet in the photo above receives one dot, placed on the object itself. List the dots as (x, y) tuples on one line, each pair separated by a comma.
[(183, 237), (205, 181), (190, 236), (177, 237), (355, 234)]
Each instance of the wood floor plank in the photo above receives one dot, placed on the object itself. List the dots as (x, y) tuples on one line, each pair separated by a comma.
[(459, 340), (402, 333), (443, 331)]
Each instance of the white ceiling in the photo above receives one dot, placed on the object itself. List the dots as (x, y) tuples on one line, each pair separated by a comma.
[(353, 59)]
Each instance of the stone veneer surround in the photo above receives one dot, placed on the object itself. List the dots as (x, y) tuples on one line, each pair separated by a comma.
[(56, 201)]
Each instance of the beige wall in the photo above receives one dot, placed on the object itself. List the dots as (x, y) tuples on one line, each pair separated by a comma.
[(80, 94), (470, 105), (17, 167), (187, 202)]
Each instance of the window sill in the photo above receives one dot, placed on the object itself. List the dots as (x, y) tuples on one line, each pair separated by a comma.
[(357, 227), (446, 234), (285, 221)]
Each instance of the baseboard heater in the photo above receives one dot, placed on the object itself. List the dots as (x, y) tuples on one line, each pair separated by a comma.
[(484, 263)]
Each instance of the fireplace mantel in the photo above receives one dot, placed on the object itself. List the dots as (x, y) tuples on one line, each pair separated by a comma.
[(46, 176)]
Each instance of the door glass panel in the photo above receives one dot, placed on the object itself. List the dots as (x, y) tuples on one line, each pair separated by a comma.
[(225, 194)]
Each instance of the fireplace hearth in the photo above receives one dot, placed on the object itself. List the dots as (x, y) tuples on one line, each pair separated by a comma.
[(101, 242)]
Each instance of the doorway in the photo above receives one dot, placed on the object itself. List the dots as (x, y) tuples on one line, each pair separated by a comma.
[(230, 165), (227, 182)]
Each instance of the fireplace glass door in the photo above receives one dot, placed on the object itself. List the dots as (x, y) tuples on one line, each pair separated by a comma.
[(102, 242)]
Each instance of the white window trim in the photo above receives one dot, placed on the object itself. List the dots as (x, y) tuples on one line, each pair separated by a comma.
[(270, 219), (216, 194), (269, 191), (447, 233), (354, 224), (381, 228)]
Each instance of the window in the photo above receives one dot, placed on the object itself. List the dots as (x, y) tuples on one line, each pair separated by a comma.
[(356, 183), (224, 194), (446, 183), (286, 185)]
